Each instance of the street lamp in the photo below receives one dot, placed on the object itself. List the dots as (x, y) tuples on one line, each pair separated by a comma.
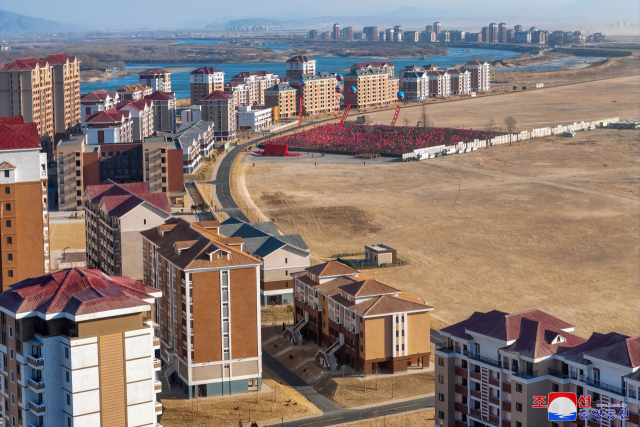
[(249, 413), (283, 422), (392, 389)]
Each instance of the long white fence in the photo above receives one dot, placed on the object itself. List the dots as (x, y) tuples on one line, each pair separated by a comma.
[(506, 139)]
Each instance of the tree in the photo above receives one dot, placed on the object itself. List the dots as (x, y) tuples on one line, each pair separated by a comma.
[(424, 117), (491, 125), (406, 121), (510, 123)]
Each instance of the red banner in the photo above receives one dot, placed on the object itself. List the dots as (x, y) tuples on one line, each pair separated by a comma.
[(300, 118), (395, 116), (346, 113)]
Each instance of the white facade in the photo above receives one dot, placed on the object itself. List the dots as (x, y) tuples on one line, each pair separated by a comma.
[(254, 119), (118, 133), (216, 78), (190, 116), (439, 84), (89, 107), (308, 67)]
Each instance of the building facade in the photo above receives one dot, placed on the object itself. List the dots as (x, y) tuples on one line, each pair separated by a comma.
[(99, 100), (415, 85), (156, 79), (66, 94), (141, 114), (164, 111), (240, 93), (203, 131), (375, 86), (460, 81), (283, 96), (203, 81), (480, 72), (319, 93), (363, 322), (133, 92), (78, 350), (109, 127), (372, 33), (219, 107), (299, 65), (502, 32), (254, 119), (24, 204), (115, 214), (439, 84), (210, 312), (257, 82)]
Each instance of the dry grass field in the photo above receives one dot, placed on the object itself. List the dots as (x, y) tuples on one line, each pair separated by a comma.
[(549, 223), (423, 418), (63, 235)]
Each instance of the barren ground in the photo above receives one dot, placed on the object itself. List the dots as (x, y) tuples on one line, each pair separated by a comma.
[(423, 418), (549, 223)]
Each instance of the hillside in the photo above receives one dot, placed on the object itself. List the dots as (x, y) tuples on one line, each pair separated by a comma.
[(15, 23)]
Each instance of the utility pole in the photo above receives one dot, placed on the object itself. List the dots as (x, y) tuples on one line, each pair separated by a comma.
[(391, 390)]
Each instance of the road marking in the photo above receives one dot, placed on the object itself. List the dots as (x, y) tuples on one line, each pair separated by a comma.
[(323, 421), (400, 407)]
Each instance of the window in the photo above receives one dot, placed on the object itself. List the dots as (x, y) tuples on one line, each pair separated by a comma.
[(441, 397), (68, 421), (8, 223), (554, 425), (596, 397), (440, 361), (145, 222), (13, 380), (440, 379), (7, 190), (68, 400), (518, 407), (555, 387), (441, 415), (6, 174), (10, 273), (8, 206), (10, 332), (519, 388), (67, 375), (361, 349), (9, 240), (9, 257), (66, 352)]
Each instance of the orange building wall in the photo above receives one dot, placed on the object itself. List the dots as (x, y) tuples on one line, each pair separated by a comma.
[(207, 339), (243, 304)]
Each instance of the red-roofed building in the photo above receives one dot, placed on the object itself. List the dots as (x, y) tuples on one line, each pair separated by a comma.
[(141, 113), (99, 100), (384, 65), (240, 93), (257, 82), (203, 81), (156, 79), (115, 214), (133, 92), (219, 107), (24, 209), (55, 323), (299, 65), (493, 364), (164, 111), (109, 127)]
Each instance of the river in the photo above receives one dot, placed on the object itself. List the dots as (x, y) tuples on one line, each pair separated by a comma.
[(180, 79)]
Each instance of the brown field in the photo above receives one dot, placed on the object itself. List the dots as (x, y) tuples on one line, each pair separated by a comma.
[(423, 418), (63, 235), (549, 223)]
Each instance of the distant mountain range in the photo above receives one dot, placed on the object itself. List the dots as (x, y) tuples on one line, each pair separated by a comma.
[(15, 23)]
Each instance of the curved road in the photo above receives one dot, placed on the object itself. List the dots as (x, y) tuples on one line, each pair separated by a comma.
[(223, 189)]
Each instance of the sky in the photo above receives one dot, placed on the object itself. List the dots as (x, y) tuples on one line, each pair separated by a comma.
[(196, 13)]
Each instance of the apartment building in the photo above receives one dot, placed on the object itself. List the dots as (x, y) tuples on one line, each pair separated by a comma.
[(372, 33), (502, 32), (109, 127), (398, 32), (363, 322), (203, 81), (335, 35), (473, 37), (445, 37), (115, 214), (383, 37), (313, 34), (375, 87), (390, 34), (203, 131), (155, 162), (485, 34), (493, 33), (99, 100), (319, 93), (283, 96), (156, 79), (299, 65), (133, 92), (385, 66), (415, 85), (429, 37), (164, 111), (480, 72), (493, 364), (411, 36), (257, 82), (240, 93), (191, 157), (280, 256), (219, 107), (210, 312), (141, 114), (347, 34), (78, 350), (460, 81), (66, 94), (254, 119), (439, 84), (437, 27), (190, 116), (24, 209)]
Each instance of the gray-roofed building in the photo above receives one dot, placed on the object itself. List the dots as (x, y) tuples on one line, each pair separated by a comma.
[(203, 131), (281, 255)]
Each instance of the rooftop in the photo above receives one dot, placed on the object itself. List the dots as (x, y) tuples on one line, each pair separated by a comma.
[(206, 70), (17, 135), (119, 199), (300, 58)]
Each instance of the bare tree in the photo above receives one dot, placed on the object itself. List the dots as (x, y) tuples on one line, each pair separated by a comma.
[(376, 372), (510, 123), (406, 121), (424, 117), (491, 125)]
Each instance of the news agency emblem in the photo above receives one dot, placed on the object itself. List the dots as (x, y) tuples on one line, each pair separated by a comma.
[(562, 407)]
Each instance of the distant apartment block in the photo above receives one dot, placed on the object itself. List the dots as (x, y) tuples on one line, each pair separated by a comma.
[(281, 256), (257, 82), (363, 322), (335, 35), (502, 32), (203, 81), (299, 65), (493, 33), (141, 114), (318, 95), (133, 92), (312, 35), (429, 36), (24, 209), (480, 72), (219, 107), (375, 83), (109, 127), (411, 36), (415, 85), (389, 35), (115, 214), (398, 32), (493, 364), (347, 34), (164, 111), (156, 79), (385, 66), (210, 311), (99, 100), (284, 97), (78, 350), (437, 27), (372, 33)]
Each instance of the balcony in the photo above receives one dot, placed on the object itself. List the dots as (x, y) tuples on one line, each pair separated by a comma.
[(558, 374), (461, 407), (607, 387), (158, 408), (506, 387), (157, 364), (506, 423), (444, 349), (460, 371), (156, 342), (476, 394), (36, 385), (35, 362), (476, 413), (482, 359), (527, 375), (476, 376), (506, 406), (37, 408), (494, 382), (494, 400), (157, 385)]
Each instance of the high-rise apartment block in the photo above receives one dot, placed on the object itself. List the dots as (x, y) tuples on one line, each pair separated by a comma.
[(480, 72), (24, 209), (389, 34), (283, 96), (115, 214), (156, 79), (203, 81), (220, 108), (318, 95), (398, 32), (335, 35), (257, 82), (300, 65), (518, 28), (493, 33), (99, 100), (502, 32), (210, 311), (494, 364), (363, 322), (78, 350), (313, 35), (437, 27), (485, 34), (164, 111), (347, 34), (429, 37), (240, 93), (372, 33), (411, 36), (66, 94)]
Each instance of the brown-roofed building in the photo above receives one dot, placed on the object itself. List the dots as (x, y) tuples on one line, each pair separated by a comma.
[(115, 214), (108, 127), (220, 108), (283, 96), (210, 311), (133, 92), (156, 79), (78, 349), (363, 322), (318, 94), (376, 85), (300, 64), (164, 111), (493, 364), (203, 81), (24, 209)]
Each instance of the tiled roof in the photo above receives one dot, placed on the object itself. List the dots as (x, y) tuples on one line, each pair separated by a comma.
[(59, 58), (97, 95), (139, 105), (218, 94), (160, 96), (16, 135), (331, 268), (386, 305), (536, 340), (24, 64), (365, 72), (374, 64), (300, 58), (206, 70), (119, 199), (413, 75), (476, 62), (132, 88), (624, 352), (108, 116), (77, 292), (507, 326), (261, 238), (154, 71), (280, 87), (596, 341), (246, 74), (369, 288)]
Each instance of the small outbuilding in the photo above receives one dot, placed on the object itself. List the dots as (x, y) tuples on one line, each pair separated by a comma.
[(380, 254)]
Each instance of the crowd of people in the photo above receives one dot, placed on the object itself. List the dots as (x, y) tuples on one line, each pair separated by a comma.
[(390, 140)]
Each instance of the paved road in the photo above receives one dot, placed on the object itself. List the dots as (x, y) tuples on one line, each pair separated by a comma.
[(223, 189)]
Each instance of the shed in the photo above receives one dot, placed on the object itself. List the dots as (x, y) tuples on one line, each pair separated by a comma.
[(380, 254)]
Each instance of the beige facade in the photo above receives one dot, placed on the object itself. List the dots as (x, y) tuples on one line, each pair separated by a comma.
[(164, 111), (318, 95), (375, 87), (66, 94), (219, 107), (284, 97), (256, 82), (299, 65), (203, 81)]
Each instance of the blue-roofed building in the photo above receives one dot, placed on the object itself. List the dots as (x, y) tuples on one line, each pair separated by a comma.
[(281, 255)]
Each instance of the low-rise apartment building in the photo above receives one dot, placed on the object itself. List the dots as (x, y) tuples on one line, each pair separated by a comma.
[(363, 322), (415, 85), (109, 127), (191, 115), (156, 79), (280, 256), (78, 350), (133, 92), (156, 162), (203, 81), (480, 72), (375, 87), (141, 114), (24, 208), (439, 84), (99, 100), (460, 81), (115, 214), (254, 119), (283, 96), (257, 82), (210, 311), (204, 132), (164, 111), (319, 93), (493, 365), (220, 108), (191, 157), (299, 65), (385, 66)]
